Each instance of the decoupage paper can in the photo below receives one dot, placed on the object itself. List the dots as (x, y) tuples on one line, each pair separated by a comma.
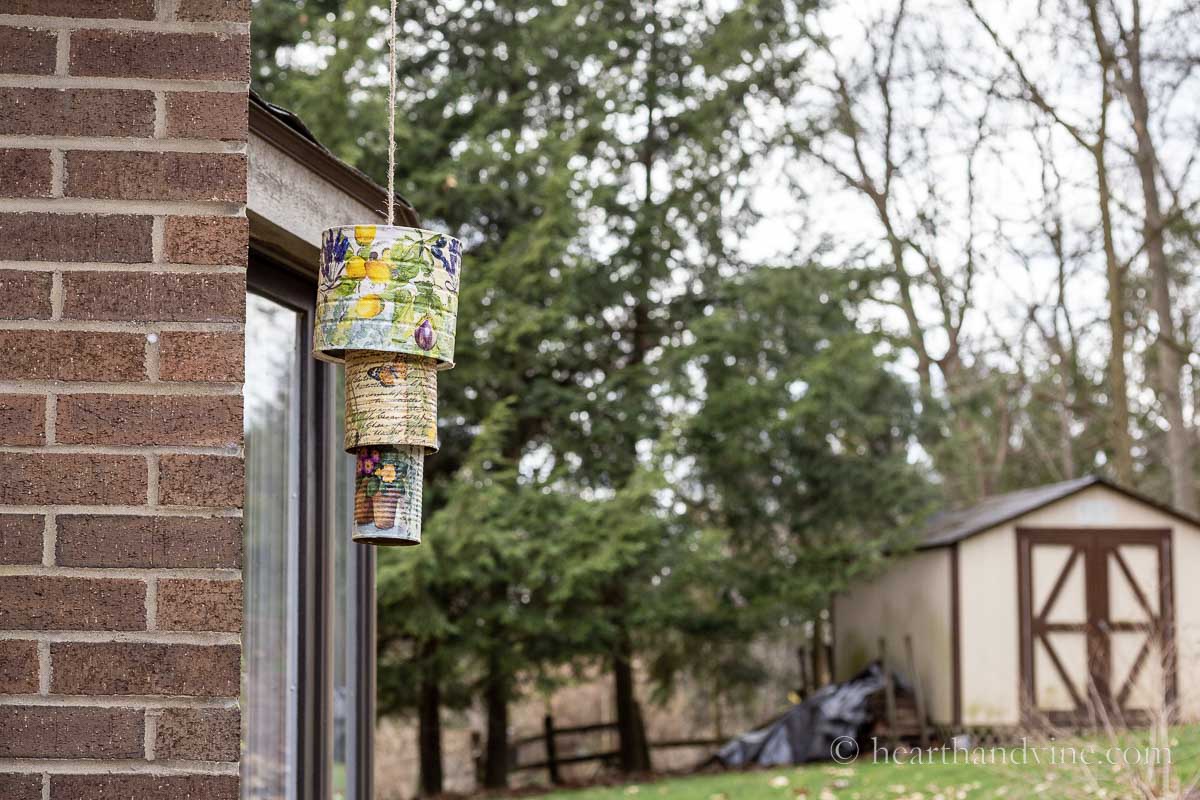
[(391, 399), (387, 495), (387, 288)]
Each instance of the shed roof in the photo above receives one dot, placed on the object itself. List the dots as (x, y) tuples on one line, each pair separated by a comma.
[(947, 527)]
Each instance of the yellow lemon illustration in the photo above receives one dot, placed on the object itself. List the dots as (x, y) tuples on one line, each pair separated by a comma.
[(356, 268), (388, 473), (378, 271), (364, 234), (368, 306)]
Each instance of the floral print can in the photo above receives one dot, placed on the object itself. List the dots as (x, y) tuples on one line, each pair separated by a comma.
[(387, 495), (389, 289)]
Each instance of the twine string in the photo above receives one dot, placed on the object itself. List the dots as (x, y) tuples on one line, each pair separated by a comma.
[(391, 177)]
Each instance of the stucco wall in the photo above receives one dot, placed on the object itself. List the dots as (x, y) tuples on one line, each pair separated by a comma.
[(990, 653), (294, 201), (911, 598)]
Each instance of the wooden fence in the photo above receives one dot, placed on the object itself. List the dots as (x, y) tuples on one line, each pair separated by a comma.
[(551, 734)]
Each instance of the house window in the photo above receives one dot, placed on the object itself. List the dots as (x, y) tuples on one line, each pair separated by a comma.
[(308, 666)]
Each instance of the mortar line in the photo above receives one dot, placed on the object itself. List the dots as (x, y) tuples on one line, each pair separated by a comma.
[(195, 638), (49, 539), (88, 82), (26, 766), (56, 297), (160, 114), (45, 667), (62, 52), (57, 172), (131, 702), (126, 144), (162, 388), (123, 25), (202, 512), (86, 205), (116, 266), (214, 574)]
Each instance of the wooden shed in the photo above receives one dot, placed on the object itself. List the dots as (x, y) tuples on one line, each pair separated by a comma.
[(1040, 605)]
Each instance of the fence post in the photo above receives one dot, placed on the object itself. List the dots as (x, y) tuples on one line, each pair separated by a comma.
[(477, 757), (917, 692), (551, 751), (889, 693)]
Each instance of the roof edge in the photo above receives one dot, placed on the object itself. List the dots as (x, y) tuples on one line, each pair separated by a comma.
[(286, 132), (1093, 481)]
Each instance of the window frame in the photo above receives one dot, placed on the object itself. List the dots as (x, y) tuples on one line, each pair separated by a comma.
[(320, 455)]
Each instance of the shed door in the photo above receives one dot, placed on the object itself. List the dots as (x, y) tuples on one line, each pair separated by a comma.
[(1095, 625)]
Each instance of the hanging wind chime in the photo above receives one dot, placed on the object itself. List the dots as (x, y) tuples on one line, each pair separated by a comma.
[(387, 305)]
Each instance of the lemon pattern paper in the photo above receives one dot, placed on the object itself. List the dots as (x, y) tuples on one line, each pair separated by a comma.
[(389, 289)]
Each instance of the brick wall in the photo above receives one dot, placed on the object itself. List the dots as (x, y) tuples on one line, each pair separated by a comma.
[(122, 290)]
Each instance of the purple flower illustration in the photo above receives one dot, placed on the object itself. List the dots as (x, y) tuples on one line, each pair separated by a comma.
[(448, 253), (333, 254), (424, 335)]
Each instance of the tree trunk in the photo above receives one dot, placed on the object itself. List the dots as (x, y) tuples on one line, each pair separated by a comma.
[(1179, 456), (1120, 441), (822, 670), (631, 747), (430, 735), (495, 763)]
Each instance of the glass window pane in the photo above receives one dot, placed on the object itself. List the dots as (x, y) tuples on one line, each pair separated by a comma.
[(271, 517), (342, 611)]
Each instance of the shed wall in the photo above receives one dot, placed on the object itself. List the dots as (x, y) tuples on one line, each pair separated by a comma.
[(873, 610), (990, 638)]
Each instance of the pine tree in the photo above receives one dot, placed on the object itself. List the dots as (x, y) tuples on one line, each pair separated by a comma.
[(589, 155)]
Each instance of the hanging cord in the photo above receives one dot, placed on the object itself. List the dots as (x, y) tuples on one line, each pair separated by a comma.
[(391, 186)]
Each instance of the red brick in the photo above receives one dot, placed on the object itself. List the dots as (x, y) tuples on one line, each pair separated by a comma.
[(25, 51), (22, 419), (26, 173), (74, 237), (204, 421), (18, 668), (206, 481), (143, 787), (76, 112), (199, 605), (198, 734), (149, 542), (145, 54), (21, 787), (207, 240), (214, 10), (72, 356), (153, 296), (201, 357), (127, 175), (21, 538), (90, 9), (74, 479), (41, 603), (207, 115), (120, 668), (54, 732), (24, 294)]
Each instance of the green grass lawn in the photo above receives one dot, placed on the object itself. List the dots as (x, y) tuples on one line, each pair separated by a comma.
[(866, 779)]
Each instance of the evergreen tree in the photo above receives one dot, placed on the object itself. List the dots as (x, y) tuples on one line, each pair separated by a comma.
[(589, 154)]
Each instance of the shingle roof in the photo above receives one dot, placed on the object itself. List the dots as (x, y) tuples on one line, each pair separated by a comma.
[(947, 527)]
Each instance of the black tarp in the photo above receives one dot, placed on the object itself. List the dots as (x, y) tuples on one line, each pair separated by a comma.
[(807, 731)]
